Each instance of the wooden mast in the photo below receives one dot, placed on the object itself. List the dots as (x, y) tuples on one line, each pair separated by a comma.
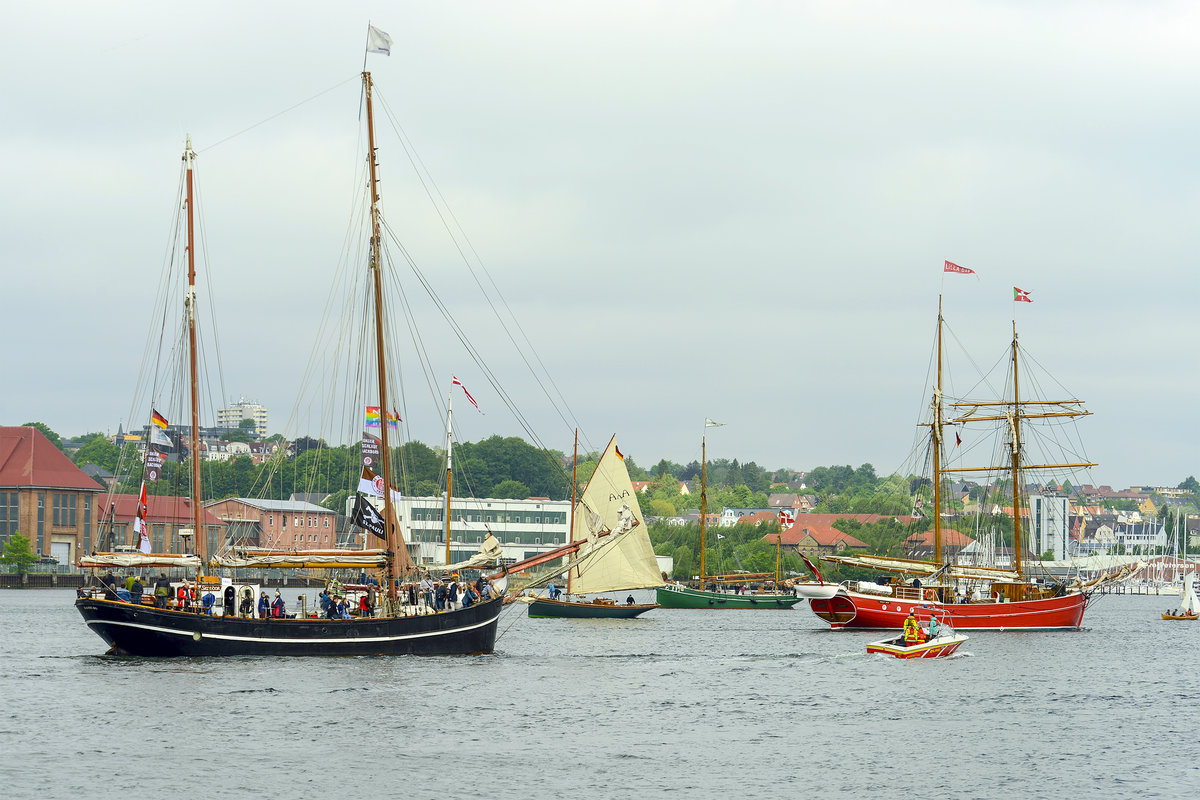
[(189, 158), (574, 487), (389, 519), (703, 505), (1016, 459), (449, 458), (937, 447)]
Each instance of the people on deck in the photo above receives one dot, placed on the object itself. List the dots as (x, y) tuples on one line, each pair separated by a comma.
[(911, 630), (343, 608), (230, 595), (364, 607), (324, 600), (208, 601), (162, 591), (247, 605), (934, 627), (277, 607), (136, 590), (427, 591), (452, 595), (264, 605), (555, 592), (629, 600)]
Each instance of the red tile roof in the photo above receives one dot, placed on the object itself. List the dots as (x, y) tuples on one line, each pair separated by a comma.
[(757, 517), (165, 510), (950, 538), (29, 459), (822, 532)]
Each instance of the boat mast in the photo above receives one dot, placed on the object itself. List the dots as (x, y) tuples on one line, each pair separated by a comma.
[(449, 457), (703, 505), (937, 447), (1016, 458), (376, 255), (574, 486), (189, 158)]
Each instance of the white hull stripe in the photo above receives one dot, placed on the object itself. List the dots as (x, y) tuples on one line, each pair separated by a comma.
[(273, 640)]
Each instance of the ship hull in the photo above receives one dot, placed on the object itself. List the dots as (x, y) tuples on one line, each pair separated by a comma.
[(683, 597), (848, 609), (145, 631), (544, 607)]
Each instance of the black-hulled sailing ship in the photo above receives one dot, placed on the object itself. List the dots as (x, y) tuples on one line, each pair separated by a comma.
[(397, 628)]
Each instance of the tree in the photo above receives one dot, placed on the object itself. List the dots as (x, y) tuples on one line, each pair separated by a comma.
[(54, 438), (661, 508), (98, 450), (1190, 484), (18, 552), (510, 489)]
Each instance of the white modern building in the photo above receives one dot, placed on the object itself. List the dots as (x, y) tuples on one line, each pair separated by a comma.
[(232, 416), (1050, 519), (524, 528)]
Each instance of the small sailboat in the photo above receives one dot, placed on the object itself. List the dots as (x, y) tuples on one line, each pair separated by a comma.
[(707, 592), (625, 562), (1189, 606)]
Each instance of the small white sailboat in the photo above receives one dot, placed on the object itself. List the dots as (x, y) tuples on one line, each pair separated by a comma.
[(1189, 605)]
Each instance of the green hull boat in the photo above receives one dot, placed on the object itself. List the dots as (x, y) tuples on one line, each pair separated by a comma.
[(682, 597)]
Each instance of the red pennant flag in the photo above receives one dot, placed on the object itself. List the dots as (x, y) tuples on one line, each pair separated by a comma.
[(952, 267), (957, 439), (1020, 296), (456, 382)]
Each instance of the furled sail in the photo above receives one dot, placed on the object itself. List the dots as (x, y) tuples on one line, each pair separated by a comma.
[(139, 560), (301, 559), (609, 502), (489, 555)]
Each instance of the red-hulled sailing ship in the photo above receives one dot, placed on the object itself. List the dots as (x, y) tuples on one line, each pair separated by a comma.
[(971, 597)]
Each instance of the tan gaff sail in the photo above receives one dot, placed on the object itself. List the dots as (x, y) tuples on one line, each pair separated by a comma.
[(628, 562)]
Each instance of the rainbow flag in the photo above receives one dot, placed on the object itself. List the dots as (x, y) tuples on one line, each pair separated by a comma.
[(373, 417)]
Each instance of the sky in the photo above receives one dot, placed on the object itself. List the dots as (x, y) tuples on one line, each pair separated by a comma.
[(726, 210)]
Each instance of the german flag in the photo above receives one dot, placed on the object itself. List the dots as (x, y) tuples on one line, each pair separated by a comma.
[(158, 419), (617, 450)]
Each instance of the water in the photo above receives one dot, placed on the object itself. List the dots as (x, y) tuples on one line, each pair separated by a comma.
[(711, 704)]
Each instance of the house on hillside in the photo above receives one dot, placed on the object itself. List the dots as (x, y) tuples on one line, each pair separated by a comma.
[(783, 500), (730, 516)]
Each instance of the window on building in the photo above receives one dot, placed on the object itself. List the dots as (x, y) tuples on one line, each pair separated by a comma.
[(271, 520), (8, 515), (327, 522)]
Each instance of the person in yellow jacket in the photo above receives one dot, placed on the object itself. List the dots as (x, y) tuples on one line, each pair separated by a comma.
[(911, 630)]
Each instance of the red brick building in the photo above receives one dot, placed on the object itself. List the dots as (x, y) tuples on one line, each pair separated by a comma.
[(44, 496), (283, 524), (165, 518)]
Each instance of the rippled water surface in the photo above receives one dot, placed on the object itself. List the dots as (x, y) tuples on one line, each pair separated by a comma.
[(712, 704)]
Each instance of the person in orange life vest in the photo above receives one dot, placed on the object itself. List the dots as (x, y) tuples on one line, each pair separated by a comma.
[(911, 629)]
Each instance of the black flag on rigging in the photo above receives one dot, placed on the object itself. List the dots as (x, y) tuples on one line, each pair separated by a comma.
[(366, 517)]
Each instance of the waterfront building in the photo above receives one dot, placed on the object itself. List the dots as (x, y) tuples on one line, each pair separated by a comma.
[(524, 528), (170, 524), (44, 497), (281, 524)]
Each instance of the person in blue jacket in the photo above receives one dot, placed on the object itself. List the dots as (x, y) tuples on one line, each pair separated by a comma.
[(264, 605)]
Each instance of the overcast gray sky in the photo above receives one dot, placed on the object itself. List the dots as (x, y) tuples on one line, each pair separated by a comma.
[(754, 199)]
